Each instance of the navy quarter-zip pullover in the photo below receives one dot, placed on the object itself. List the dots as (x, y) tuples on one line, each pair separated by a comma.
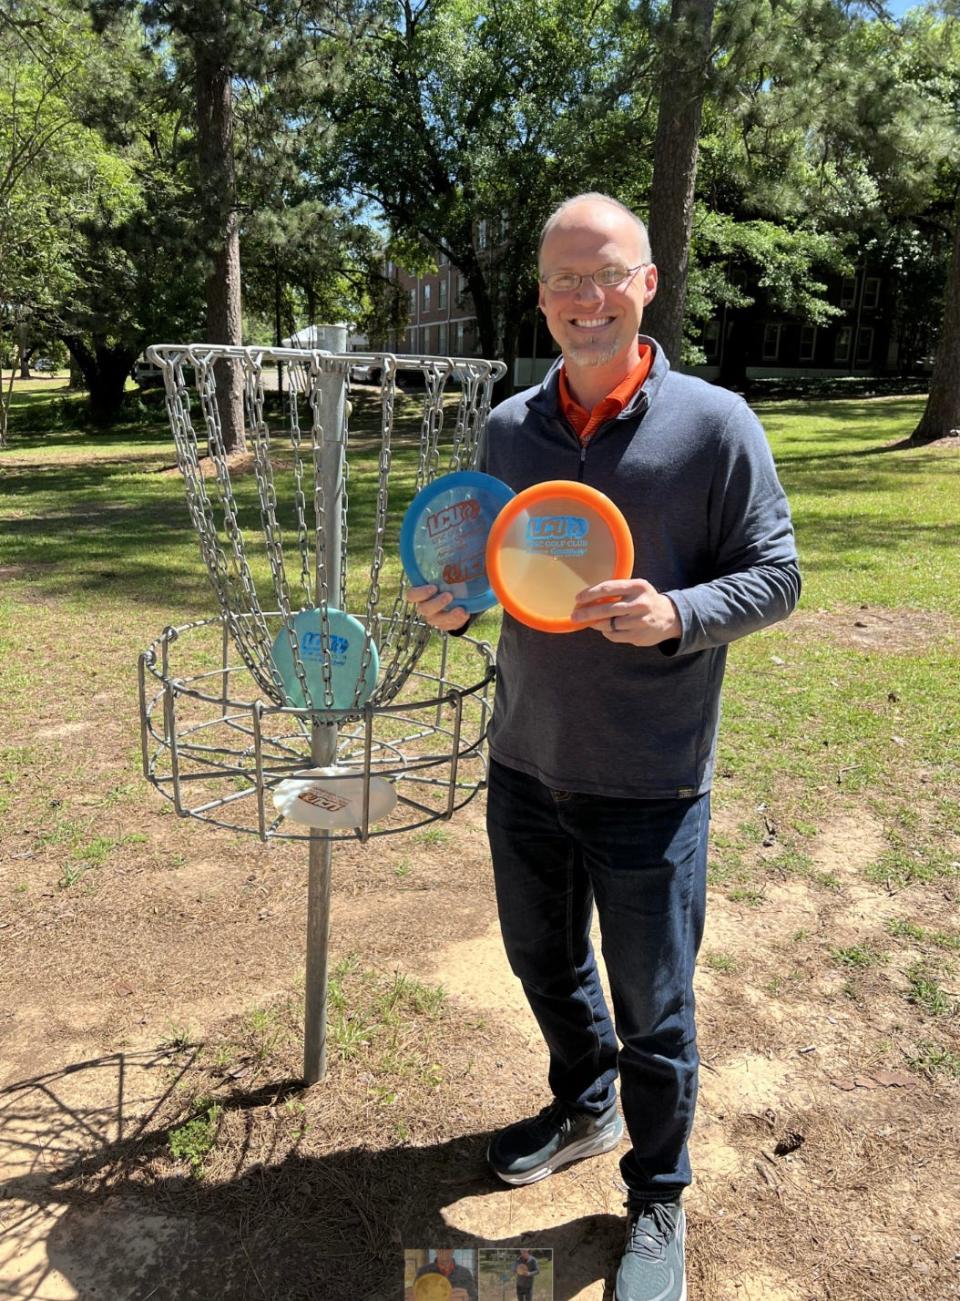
[(689, 466)]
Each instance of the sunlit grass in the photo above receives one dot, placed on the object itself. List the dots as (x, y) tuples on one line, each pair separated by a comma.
[(875, 525), (103, 530)]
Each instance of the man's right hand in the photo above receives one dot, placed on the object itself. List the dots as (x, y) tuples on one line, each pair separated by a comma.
[(436, 608)]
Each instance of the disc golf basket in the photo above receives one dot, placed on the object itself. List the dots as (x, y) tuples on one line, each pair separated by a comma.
[(306, 520)]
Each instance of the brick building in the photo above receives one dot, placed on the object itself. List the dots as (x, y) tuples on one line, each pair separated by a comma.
[(860, 340)]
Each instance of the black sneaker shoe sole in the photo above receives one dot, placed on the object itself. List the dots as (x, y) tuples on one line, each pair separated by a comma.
[(604, 1140)]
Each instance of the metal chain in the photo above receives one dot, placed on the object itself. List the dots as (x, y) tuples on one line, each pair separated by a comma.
[(230, 593), (466, 433), (272, 533), (390, 624), (387, 403)]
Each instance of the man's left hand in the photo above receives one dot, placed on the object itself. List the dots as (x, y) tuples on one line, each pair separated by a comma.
[(640, 615), (459, 1294)]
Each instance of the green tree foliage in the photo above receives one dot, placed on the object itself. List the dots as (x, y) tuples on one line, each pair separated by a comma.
[(457, 113), (56, 173), (246, 77), (93, 211)]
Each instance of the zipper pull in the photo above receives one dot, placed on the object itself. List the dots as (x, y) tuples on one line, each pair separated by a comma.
[(583, 457)]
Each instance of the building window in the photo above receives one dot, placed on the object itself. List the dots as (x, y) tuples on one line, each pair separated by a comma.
[(442, 259), (848, 291), (711, 340), (413, 302), (443, 341), (482, 233), (461, 286), (426, 297), (442, 293), (808, 342), (459, 338), (864, 345), (771, 342), (871, 293), (841, 349)]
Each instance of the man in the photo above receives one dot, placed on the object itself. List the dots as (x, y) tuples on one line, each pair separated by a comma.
[(525, 1269), (462, 1283), (602, 741)]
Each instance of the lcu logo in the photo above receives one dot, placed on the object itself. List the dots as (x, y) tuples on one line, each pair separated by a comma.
[(451, 516), (323, 799), (312, 643), (463, 573), (556, 526)]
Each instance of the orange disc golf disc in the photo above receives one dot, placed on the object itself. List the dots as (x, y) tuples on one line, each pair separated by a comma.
[(549, 543)]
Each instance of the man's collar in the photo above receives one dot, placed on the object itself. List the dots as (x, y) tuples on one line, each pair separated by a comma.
[(546, 398)]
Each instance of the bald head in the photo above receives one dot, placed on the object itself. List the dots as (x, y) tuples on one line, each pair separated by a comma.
[(598, 210)]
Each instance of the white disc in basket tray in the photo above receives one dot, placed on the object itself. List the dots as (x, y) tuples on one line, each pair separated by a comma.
[(332, 798)]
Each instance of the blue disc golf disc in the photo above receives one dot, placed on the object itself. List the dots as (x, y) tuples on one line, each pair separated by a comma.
[(341, 647), (443, 537)]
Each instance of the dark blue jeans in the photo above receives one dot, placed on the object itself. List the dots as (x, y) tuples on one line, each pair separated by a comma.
[(644, 862)]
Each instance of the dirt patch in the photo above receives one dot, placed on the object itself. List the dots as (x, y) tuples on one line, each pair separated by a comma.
[(174, 935), (238, 464), (60, 729), (12, 572), (896, 632)]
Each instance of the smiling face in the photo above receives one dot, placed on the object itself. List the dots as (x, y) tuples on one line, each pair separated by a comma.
[(596, 327)]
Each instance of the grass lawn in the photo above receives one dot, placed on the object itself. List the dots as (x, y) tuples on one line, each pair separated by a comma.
[(830, 970)]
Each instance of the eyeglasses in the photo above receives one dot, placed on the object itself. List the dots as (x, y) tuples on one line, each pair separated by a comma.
[(564, 282)]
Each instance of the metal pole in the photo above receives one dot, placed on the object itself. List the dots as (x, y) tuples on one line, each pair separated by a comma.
[(323, 741)]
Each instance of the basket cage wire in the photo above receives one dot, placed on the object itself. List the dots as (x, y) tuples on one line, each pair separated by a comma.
[(277, 535)]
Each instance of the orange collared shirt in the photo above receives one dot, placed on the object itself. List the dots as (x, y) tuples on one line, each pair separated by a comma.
[(585, 423)]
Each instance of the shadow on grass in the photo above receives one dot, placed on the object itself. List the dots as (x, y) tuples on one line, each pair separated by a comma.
[(838, 535), (114, 526), (95, 1200), (846, 410)]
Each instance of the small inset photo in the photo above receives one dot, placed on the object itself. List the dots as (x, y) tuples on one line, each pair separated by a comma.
[(440, 1274), (515, 1273)]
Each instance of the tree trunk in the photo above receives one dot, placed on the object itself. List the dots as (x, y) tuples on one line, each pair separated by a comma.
[(941, 415), (6, 397), (487, 332), (733, 364), (25, 352), (682, 88), (276, 320), (221, 229), (105, 371)]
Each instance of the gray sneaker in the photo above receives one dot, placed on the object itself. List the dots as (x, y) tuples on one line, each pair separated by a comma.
[(532, 1149), (652, 1266)]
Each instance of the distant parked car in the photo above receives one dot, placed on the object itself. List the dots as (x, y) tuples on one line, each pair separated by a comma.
[(147, 374), (44, 364), (365, 374)]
